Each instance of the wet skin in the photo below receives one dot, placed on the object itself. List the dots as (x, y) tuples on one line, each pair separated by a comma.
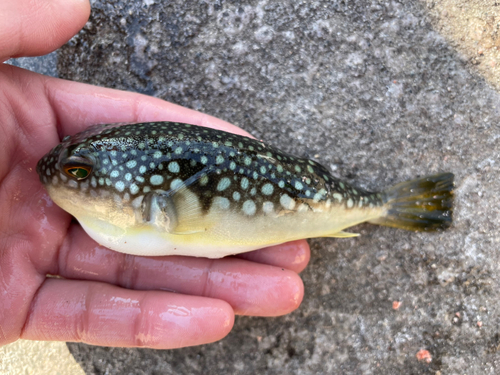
[(104, 298)]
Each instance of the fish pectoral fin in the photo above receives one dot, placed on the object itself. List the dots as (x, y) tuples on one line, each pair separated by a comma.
[(175, 212), (342, 234), (285, 213)]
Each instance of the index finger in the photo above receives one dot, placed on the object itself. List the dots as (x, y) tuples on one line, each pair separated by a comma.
[(32, 28), (78, 105)]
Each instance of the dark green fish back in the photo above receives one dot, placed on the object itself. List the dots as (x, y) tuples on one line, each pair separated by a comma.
[(135, 159)]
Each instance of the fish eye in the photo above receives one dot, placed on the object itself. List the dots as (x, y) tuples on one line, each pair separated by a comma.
[(77, 167)]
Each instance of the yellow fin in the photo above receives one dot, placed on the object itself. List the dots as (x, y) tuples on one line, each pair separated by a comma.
[(424, 204), (177, 211), (343, 234)]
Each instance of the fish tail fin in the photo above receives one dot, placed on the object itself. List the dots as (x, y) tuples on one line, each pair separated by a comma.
[(423, 204)]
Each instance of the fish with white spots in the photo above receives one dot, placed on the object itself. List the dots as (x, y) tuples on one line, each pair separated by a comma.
[(168, 188)]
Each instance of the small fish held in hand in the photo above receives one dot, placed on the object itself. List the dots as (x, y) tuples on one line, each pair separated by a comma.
[(166, 188)]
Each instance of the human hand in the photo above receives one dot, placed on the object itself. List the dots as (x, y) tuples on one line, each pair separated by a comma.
[(103, 297)]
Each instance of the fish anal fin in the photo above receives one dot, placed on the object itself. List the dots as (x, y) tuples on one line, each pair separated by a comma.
[(343, 234)]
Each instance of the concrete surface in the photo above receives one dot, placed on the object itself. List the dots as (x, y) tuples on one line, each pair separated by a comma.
[(371, 90), (37, 358), (472, 27), (42, 64)]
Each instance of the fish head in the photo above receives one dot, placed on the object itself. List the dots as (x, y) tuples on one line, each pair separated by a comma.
[(84, 175), (67, 170)]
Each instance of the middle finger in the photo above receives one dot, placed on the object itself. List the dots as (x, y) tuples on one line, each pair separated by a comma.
[(250, 288)]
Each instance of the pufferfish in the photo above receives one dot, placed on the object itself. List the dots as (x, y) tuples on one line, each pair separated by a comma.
[(167, 188)]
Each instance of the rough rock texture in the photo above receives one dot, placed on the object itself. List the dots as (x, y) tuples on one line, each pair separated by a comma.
[(371, 91), (38, 358), (472, 27), (42, 64)]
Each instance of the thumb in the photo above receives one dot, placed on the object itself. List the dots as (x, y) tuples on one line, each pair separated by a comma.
[(37, 27)]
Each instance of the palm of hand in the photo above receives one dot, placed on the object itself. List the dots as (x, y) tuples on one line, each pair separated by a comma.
[(103, 297)]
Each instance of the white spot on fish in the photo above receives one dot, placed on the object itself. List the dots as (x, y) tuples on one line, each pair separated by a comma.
[(223, 184), (142, 169), (175, 184), (350, 203), (120, 186), (267, 189), (287, 202), (249, 207), (298, 185), (337, 196), (128, 176), (222, 203), (236, 196), (174, 167), (219, 159), (156, 179), (244, 183), (134, 189)]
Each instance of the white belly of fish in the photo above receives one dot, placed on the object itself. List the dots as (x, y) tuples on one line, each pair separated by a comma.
[(224, 235), (148, 241)]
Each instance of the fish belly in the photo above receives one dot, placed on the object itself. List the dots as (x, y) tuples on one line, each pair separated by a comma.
[(225, 233)]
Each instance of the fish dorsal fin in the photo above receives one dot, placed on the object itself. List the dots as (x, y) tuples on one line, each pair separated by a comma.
[(343, 234)]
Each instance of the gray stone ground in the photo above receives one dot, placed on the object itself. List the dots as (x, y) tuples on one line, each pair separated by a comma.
[(370, 90)]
